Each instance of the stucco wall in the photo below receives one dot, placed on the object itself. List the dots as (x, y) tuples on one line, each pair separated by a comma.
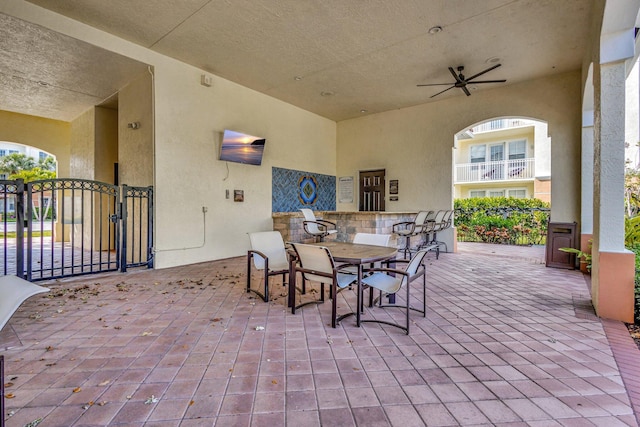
[(415, 144), (135, 146), (48, 135), (83, 136), (190, 119), (106, 149)]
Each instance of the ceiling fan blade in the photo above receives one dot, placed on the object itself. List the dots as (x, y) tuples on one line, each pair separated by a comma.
[(482, 72), (443, 91), (465, 90), (486, 81), (455, 76), (435, 84)]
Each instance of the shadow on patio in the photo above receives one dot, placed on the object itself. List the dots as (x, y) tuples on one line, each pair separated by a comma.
[(505, 341)]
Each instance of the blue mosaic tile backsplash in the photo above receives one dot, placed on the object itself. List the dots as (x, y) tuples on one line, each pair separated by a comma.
[(292, 190)]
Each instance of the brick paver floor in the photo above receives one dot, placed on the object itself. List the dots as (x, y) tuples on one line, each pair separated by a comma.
[(506, 341)]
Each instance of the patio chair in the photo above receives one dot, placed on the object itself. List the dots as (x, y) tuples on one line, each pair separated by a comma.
[(444, 220), (391, 280), (13, 292), (269, 254), (316, 264), (318, 228), (408, 229)]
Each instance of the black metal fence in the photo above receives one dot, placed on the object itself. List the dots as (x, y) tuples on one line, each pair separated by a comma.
[(508, 225), (68, 227)]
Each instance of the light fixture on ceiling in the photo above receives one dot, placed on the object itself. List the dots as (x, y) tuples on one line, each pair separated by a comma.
[(492, 60), (133, 125), (41, 83), (326, 93), (435, 30), (364, 111), (297, 78)]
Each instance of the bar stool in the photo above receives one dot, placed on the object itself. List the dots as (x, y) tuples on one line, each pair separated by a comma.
[(408, 229)]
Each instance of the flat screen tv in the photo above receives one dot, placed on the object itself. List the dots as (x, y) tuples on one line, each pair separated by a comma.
[(241, 148)]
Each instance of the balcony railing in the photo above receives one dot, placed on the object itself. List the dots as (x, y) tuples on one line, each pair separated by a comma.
[(499, 124), (501, 170)]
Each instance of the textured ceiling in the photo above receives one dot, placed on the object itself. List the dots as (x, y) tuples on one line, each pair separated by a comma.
[(367, 55), (46, 74)]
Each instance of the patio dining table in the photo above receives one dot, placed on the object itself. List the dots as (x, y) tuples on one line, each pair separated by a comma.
[(355, 254)]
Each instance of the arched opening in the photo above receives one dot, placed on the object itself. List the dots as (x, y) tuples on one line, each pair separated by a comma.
[(25, 157), (502, 181), (503, 157), (20, 161)]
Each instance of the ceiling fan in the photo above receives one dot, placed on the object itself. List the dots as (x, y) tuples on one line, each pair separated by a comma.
[(461, 81)]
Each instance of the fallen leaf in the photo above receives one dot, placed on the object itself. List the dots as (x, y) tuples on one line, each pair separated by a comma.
[(145, 334), (9, 395), (49, 348), (105, 382), (77, 390), (191, 403), (274, 382), (8, 384), (104, 402), (151, 400)]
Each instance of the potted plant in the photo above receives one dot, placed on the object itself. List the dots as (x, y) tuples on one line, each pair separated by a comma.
[(584, 257)]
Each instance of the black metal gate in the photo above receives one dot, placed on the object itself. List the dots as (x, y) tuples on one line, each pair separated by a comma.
[(68, 227)]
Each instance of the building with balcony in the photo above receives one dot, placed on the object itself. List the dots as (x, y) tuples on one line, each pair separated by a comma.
[(503, 158)]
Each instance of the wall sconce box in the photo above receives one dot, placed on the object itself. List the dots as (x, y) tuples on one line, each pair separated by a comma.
[(206, 80)]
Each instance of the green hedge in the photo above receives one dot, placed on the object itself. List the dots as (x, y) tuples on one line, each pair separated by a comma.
[(504, 220)]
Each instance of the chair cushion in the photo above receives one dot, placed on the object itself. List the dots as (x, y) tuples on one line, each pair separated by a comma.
[(13, 292), (384, 282), (345, 280)]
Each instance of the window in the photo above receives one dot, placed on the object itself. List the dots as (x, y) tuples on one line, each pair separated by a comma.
[(42, 156), (478, 153), (495, 193), (3, 176), (3, 153), (477, 193), (497, 152), (517, 149), (12, 151), (518, 194)]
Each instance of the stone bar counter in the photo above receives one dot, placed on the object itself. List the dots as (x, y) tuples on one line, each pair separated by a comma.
[(289, 224)]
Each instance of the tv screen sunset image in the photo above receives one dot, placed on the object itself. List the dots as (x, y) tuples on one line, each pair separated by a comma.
[(242, 148)]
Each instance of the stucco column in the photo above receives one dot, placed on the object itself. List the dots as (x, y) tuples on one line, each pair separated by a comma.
[(613, 266), (586, 200)]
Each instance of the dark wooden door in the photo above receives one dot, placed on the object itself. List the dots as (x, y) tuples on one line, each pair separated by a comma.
[(372, 190)]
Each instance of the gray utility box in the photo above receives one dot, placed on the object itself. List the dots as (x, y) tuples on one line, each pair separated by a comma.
[(561, 235)]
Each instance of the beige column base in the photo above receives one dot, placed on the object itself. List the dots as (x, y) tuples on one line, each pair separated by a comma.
[(612, 285)]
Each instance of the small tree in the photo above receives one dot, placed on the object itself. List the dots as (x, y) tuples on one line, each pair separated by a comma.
[(21, 166), (13, 163)]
